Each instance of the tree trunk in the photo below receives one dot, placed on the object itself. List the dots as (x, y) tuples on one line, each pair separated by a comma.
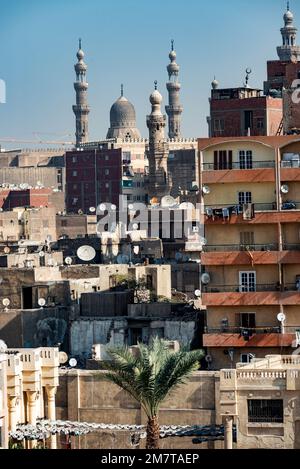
[(153, 431)]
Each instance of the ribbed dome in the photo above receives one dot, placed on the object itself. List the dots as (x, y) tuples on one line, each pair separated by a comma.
[(122, 113), (123, 120)]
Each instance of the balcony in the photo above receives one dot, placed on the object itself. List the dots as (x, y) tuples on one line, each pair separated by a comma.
[(240, 337), (263, 295), (241, 247), (238, 165), (263, 213), (254, 255)]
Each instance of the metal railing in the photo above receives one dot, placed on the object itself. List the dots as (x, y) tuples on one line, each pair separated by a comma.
[(250, 288), (240, 330), (241, 247), (291, 247), (238, 209), (239, 165)]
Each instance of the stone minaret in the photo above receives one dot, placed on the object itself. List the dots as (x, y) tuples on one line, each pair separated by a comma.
[(81, 109), (174, 109), (289, 51), (158, 149)]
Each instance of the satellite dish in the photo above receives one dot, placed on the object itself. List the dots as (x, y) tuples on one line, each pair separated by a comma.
[(208, 358), (102, 207), (6, 250), (186, 206), (1, 209), (6, 302), (136, 250), (92, 209), (135, 226), (73, 362), (206, 190), (205, 278), (42, 302), (197, 293), (86, 253), (63, 358), (41, 254), (113, 207), (130, 206), (3, 346), (168, 201), (122, 259), (285, 189), (68, 260), (281, 317), (80, 212)]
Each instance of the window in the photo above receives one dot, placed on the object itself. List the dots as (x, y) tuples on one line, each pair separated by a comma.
[(247, 240), (245, 159), (247, 282), (107, 185), (219, 125), (248, 120), (74, 159), (106, 157), (247, 320), (265, 410), (260, 123), (74, 173), (247, 357), (245, 198), (74, 201), (45, 223), (64, 223), (106, 172), (223, 159), (75, 186)]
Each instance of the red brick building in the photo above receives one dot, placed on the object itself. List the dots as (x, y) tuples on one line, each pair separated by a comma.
[(44, 197), (92, 177), (243, 111)]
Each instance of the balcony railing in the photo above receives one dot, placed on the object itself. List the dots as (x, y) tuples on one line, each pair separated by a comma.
[(241, 247), (238, 209), (241, 330), (239, 165), (250, 288), (291, 247)]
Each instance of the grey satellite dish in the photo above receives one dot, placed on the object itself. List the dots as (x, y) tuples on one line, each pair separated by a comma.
[(68, 260), (42, 302), (205, 278), (41, 254), (203, 241), (206, 190), (73, 362), (208, 358), (281, 317), (86, 253), (6, 302), (92, 209), (63, 357), (168, 201), (113, 207), (122, 259), (285, 189), (197, 293), (102, 207)]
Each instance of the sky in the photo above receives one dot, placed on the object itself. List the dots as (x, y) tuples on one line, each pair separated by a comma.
[(127, 41)]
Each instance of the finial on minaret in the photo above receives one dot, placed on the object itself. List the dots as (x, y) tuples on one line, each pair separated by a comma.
[(79, 43), (155, 85), (122, 90), (288, 6), (172, 44)]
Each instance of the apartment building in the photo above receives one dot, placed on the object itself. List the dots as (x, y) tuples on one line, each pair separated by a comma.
[(251, 260)]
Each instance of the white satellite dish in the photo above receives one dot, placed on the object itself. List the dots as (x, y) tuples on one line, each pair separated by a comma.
[(42, 302), (73, 362), (3, 346), (285, 189), (206, 190), (113, 207), (136, 250), (168, 201), (203, 241), (102, 207), (6, 302), (205, 278), (92, 209), (63, 358), (68, 260), (135, 226), (186, 206), (41, 254), (281, 317), (6, 250), (80, 212), (197, 293), (130, 206), (86, 253), (122, 259), (1, 209)]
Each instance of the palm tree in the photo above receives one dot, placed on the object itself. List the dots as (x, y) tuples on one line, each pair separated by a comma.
[(150, 375)]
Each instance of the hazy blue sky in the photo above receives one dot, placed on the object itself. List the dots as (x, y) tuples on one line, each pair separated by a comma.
[(127, 41)]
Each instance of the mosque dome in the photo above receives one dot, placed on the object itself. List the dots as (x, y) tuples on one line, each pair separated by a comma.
[(155, 97), (123, 120), (288, 17)]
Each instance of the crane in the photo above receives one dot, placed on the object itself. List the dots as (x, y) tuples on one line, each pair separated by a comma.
[(40, 142)]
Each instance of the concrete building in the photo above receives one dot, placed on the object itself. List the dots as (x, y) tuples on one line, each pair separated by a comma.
[(38, 197), (251, 260)]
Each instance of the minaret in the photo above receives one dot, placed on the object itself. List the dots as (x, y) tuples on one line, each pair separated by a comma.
[(289, 51), (158, 149), (174, 109), (81, 109)]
